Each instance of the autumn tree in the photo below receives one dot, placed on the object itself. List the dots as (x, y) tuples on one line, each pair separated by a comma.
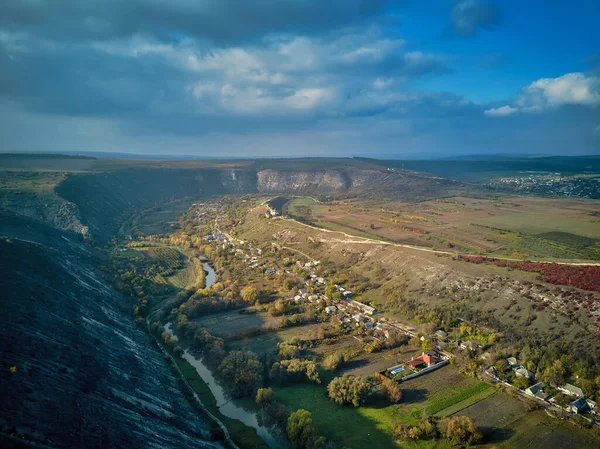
[(555, 374), (249, 294), (392, 389), (300, 430), (349, 390), (264, 396), (461, 430)]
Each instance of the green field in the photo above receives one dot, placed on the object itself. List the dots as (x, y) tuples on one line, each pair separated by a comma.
[(533, 223), (441, 393)]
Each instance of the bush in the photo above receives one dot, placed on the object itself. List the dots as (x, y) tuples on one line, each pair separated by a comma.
[(349, 390), (461, 430), (392, 389), (264, 396)]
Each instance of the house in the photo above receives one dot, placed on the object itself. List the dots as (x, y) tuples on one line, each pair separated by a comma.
[(330, 309), (531, 391), (416, 363), (369, 325), (571, 390), (367, 310), (579, 406), (543, 396), (441, 335), (591, 404), (512, 361), (431, 358), (270, 271), (535, 389), (358, 317), (346, 293), (522, 372), (468, 345)]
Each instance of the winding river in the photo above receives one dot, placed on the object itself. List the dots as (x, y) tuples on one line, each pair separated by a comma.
[(226, 406)]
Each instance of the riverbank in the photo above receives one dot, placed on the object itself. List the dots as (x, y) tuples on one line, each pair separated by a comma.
[(228, 418), (227, 407)]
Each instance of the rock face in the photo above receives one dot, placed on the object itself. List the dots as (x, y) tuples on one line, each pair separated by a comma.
[(86, 376), (104, 200), (302, 182)]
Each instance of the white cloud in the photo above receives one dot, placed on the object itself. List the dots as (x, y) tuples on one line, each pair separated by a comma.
[(549, 93), (502, 111), (572, 88)]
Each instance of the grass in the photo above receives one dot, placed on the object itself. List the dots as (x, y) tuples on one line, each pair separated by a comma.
[(467, 402), (540, 223), (441, 405), (349, 426)]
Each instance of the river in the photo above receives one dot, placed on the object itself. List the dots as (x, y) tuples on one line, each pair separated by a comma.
[(226, 406), (211, 276)]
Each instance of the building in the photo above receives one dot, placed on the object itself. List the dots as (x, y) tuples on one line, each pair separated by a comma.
[(537, 391), (330, 309), (571, 390), (468, 345), (364, 308), (512, 361), (522, 372), (579, 406), (441, 335), (416, 363)]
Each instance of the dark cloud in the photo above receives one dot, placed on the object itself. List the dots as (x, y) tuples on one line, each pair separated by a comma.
[(229, 77), (217, 20), (469, 16)]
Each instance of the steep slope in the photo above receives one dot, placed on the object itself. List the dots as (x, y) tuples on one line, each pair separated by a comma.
[(105, 200), (85, 374)]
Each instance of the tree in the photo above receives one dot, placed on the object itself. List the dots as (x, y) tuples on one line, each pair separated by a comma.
[(334, 360), (249, 294), (555, 374), (264, 396), (244, 372), (461, 430), (349, 390), (562, 400), (521, 382), (300, 430), (393, 392)]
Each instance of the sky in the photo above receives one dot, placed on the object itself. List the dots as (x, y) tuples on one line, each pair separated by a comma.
[(277, 78)]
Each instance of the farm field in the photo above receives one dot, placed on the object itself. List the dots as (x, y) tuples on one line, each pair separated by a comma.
[(520, 227), (442, 393), (233, 324), (267, 342), (504, 420), (177, 269), (161, 219)]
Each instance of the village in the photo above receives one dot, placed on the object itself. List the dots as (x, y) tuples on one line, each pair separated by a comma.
[(439, 348)]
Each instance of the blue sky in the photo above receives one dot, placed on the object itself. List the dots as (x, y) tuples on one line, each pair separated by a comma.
[(301, 77)]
